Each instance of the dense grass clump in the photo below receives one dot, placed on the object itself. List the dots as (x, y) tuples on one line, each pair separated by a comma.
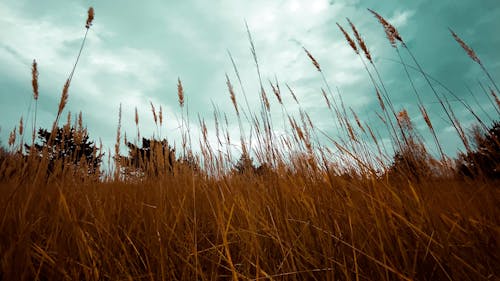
[(348, 209)]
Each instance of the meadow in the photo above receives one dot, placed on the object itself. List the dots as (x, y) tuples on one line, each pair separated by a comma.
[(287, 207)]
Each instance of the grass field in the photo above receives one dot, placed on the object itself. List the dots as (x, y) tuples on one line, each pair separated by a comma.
[(287, 208)]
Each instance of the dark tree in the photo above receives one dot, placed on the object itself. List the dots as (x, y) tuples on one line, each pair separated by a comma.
[(152, 158), (484, 160), (70, 146), (411, 161), (246, 165)]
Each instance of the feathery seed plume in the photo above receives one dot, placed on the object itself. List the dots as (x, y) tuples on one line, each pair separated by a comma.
[(136, 117), (357, 120), (64, 98), (426, 117), (90, 18), (232, 95), (161, 115), (80, 121), (276, 91), (12, 137), (155, 117), (292, 93), (21, 128), (391, 32), (348, 38), (265, 99), (470, 52), (326, 98), (380, 101), (404, 120), (360, 40), (34, 79), (313, 60), (180, 92), (495, 96), (118, 132)]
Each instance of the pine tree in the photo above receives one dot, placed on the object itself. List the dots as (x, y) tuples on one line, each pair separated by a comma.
[(70, 146)]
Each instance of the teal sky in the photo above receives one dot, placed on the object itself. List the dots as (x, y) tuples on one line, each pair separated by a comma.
[(136, 50)]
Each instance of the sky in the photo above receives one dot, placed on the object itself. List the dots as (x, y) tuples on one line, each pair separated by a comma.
[(137, 50)]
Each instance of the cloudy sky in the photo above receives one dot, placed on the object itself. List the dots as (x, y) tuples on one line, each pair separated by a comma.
[(136, 51)]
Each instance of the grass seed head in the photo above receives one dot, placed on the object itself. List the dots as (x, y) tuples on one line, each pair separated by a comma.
[(160, 115), (34, 79), (391, 32), (155, 117), (313, 60), (90, 17), (12, 137), (348, 38), (64, 98), (470, 52), (495, 96), (136, 117), (360, 40), (265, 100), (404, 120), (232, 95), (180, 92), (276, 91), (21, 128)]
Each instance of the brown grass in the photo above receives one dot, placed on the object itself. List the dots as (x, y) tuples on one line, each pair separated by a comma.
[(309, 211)]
